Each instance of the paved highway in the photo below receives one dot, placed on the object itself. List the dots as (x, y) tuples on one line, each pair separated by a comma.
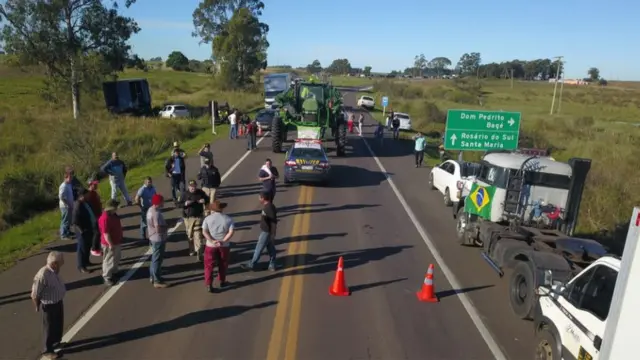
[(289, 314)]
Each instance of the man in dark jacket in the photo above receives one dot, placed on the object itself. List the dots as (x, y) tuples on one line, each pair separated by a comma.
[(86, 229), (209, 177), (195, 201), (175, 167), (395, 122)]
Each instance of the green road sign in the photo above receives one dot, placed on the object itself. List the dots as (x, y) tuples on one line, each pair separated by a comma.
[(474, 130)]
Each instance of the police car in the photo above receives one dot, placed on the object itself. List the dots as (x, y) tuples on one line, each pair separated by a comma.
[(306, 161)]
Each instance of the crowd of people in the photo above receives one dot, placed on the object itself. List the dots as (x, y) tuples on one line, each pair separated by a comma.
[(98, 230)]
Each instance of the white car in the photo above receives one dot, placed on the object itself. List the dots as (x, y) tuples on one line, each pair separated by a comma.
[(405, 121), (174, 111), (450, 176), (366, 102)]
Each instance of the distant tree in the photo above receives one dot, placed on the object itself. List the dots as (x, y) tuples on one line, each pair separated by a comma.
[(78, 42), (469, 64), (367, 71), (594, 74), (135, 62), (439, 64), (156, 59), (177, 61), (419, 65), (339, 67), (603, 82), (315, 67)]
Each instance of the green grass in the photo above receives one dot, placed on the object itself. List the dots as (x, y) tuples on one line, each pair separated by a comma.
[(594, 122), (39, 138), (350, 81)]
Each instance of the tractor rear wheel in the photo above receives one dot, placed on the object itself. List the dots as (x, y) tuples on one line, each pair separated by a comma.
[(277, 127), (341, 140)]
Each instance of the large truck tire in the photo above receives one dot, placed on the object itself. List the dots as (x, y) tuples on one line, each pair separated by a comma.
[(277, 128), (341, 140), (521, 291)]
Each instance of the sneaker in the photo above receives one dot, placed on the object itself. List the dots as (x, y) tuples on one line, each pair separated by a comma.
[(272, 267), (50, 355), (209, 289), (224, 284), (96, 252), (247, 267), (84, 270), (109, 282), (192, 253), (160, 285)]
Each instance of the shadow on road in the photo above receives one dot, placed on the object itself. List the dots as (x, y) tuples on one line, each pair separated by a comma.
[(180, 322)]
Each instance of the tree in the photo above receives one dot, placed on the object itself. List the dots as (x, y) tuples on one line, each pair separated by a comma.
[(78, 42), (340, 67), (241, 49), (469, 64), (135, 62), (420, 64), (439, 64), (538, 69), (367, 71), (177, 61), (315, 67), (156, 59), (238, 55), (594, 74)]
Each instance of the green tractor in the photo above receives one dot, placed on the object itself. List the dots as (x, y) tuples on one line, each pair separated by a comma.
[(310, 108)]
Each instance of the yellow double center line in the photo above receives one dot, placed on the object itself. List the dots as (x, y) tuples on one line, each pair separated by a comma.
[(286, 325)]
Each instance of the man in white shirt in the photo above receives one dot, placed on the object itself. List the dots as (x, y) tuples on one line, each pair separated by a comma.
[(65, 197), (233, 121)]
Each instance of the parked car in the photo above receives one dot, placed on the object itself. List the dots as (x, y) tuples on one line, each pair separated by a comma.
[(264, 118), (405, 120), (366, 102), (174, 111), (450, 176)]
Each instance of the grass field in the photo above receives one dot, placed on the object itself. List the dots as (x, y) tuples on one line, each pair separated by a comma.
[(38, 139), (600, 123)]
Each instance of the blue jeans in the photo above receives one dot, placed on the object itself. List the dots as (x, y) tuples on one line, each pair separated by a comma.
[(264, 240), (177, 184), (251, 141), (157, 255), (118, 184), (84, 241), (233, 131), (143, 222), (65, 222)]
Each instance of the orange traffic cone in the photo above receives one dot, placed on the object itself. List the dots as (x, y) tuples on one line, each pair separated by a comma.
[(240, 133), (339, 287), (427, 293), (259, 131)]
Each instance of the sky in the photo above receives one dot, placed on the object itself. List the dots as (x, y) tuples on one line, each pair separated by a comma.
[(387, 35)]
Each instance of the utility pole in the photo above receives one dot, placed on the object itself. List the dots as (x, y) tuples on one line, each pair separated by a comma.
[(512, 78), (555, 86), (561, 87)]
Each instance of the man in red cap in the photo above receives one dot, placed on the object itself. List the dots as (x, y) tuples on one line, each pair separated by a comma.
[(157, 234)]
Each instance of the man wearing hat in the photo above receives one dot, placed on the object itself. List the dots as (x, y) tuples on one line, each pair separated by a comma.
[(195, 201), (210, 180), (111, 240), (157, 234), (217, 230)]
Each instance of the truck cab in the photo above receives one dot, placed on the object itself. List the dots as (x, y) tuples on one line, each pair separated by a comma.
[(570, 318)]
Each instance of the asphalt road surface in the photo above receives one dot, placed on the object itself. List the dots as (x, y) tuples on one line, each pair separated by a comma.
[(289, 314)]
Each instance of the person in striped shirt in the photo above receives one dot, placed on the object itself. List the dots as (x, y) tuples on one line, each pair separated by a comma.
[(47, 293)]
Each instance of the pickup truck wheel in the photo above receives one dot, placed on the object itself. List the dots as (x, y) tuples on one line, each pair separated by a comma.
[(546, 346), (521, 291), (462, 221), (431, 182), (447, 198)]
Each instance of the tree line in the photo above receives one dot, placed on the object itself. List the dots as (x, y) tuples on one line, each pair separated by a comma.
[(80, 43)]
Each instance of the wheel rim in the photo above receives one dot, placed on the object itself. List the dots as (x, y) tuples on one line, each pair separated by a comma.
[(461, 224), (431, 180), (544, 351), (519, 290)]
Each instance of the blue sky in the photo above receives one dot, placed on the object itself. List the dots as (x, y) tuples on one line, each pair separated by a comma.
[(388, 34)]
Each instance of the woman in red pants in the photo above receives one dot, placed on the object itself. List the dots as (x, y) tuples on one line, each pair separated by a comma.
[(217, 228), (350, 123)]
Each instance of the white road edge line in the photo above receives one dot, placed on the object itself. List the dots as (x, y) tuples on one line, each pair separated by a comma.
[(93, 310), (464, 299)]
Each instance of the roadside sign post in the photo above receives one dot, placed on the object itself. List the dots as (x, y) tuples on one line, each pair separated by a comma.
[(213, 118), (476, 130), (385, 103)]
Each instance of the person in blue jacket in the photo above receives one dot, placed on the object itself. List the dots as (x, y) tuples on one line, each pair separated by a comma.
[(117, 171)]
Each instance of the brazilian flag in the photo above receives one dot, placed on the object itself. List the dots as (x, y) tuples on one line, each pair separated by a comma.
[(479, 201)]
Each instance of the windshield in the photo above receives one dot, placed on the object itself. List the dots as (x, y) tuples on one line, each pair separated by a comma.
[(307, 153), (264, 116), (403, 116), (275, 85), (470, 169), (311, 92)]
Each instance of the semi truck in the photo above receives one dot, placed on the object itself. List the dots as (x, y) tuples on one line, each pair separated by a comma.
[(275, 84), (129, 96)]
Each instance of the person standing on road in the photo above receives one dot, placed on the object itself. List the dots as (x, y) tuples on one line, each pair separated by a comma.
[(76, 185), (268, 226), (111, 240), (420, 144), (390, 119), (93, 199), (360, 122), (157, 234), (395, 122), (252, 129), (143, 199), (117, 171), (47, 292), (65, 196), (379, 133), (350, 123), (176, 147), (210, 180), (233, 122), (218, 229), (195, 202), (205, 153), (86, 226), (175, 167), (268, 175)]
